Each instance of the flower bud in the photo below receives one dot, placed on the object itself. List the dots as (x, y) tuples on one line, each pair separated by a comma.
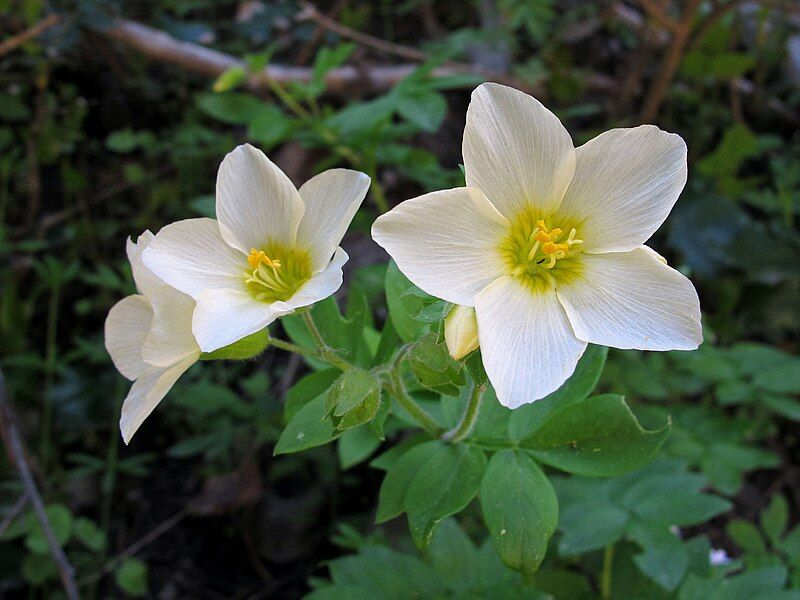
[(461, 331)]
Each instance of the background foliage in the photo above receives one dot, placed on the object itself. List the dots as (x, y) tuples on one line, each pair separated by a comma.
[(102, 137)]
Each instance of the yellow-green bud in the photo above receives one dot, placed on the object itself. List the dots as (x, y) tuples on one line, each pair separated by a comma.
[(461, 331)]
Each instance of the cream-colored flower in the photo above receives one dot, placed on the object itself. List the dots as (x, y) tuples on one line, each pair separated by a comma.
[(149, 337), (461, 331), (547, 242), (272, 250)]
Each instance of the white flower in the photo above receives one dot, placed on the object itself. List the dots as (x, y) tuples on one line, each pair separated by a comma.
[(149, 337), (546, 242), (273, 249)]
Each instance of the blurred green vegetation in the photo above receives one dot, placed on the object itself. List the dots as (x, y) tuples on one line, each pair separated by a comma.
[(101, 138)]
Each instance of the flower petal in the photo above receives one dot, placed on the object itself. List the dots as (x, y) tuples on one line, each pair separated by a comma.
[(256, 201), (145, 394), (626, 183), (446, 242), (126, 328), (527, 344), (146, 281), (633, 300), (170, 339), (331, 200), (318, 287), (516, 151), (191, 256), (223, 317)]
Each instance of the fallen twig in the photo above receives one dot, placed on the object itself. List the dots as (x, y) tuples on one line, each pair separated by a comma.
[(670, 63), (139, 545), (162, 46), (16, 41), (9, 431), (310, 13)]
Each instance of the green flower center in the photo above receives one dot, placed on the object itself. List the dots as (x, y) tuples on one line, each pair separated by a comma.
[(541, 254), (275, 273)]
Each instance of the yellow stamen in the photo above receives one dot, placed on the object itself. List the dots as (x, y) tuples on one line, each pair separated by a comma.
[(259, 257)]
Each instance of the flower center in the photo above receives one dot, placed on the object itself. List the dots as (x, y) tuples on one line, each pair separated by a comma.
[(539, 255), (276, 273)]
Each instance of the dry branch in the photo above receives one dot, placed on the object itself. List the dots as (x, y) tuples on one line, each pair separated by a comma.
[(15, 448), (341, 80), (16, 41)]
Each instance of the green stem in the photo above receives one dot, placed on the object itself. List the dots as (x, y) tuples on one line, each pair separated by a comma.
[(327, 353), (468, 419), (398, 389), (290, 347), (608, 565)]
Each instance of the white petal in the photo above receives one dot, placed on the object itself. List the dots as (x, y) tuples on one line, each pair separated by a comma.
[(223, 317), (318, 287), (126, 328), (626, 182), (146, 281), (516, 150), (633, 300), (170, 339), (446, 242), (256, 201), (145, 394), (191, 256), (331, 200), (527, 344)]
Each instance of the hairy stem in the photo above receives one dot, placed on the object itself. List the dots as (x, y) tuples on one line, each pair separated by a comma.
[(468, 419), (327, 353), (398, 389)]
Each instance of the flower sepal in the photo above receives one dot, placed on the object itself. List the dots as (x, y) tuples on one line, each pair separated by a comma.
[(247, 347)]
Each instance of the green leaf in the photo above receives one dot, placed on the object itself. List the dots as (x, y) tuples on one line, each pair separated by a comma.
[(453, 555), (356, 445), (664, 559), (430, 482), (326, 59), (229, 79), (90, 534), (596, 436), (38, 568), (681, 508), (590, 529), (403, 306), (784, 379), (391, 499), (308, 428), (424, 108), (269, 127), (525, 420), (353, 399), (520, 509), (747, 536), (443, 486), (61, 523), (728, 65), (131, 577), (788, 408), (387, 574), (775, 518), (12, 108), (307, 389), (435, 368), (233, 108)]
